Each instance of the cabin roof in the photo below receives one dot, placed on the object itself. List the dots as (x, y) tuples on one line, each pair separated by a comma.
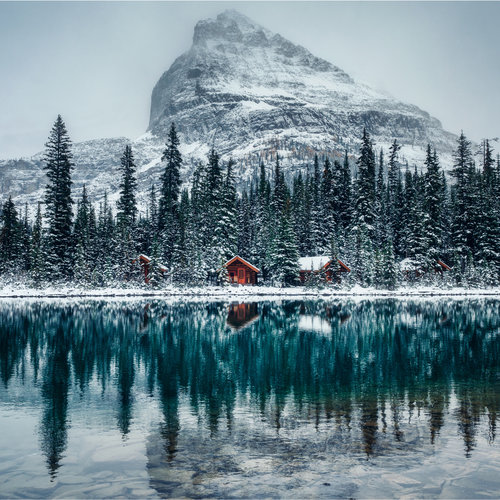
[(446, 267), (318, 262), (237, 257), (144, 258)]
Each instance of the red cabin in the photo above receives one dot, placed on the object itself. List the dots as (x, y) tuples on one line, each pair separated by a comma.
[(241, 272), (144, 261), (332, 268)]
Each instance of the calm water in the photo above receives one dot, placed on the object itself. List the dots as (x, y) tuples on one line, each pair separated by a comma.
[(380, 398)]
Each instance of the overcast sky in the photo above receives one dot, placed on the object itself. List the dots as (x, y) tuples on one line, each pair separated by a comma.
[(96, 63)]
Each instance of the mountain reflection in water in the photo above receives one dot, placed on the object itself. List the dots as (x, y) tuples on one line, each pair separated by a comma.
[(290, 380)]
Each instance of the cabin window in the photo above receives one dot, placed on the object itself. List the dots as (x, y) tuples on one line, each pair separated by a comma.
[(241, 274)]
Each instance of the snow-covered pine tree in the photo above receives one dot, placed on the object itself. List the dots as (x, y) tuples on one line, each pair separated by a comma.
[(280, 192), (127, 205), (126, 215), (10, 240), (81, 234), (365, 192), (390, 271), (155, 274), (346, 206), (394, 197), (462, 225), (168, 213), (263, 221), (284, 256), (227, 230), (315, 224), (327, 216), (434, 200), (38, 250), (381, 233), (414, 221), (337, 196), (488, 218), (58, 160), (25, 242)]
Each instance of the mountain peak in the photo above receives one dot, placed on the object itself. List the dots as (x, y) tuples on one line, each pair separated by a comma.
[(230, 26), (246, 88)]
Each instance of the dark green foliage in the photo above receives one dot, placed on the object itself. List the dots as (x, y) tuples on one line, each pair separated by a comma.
[(58, 202), (10, 239), (127, 206), (375, 221)]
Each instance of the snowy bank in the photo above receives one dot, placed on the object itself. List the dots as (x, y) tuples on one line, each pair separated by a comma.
[(242, 292)]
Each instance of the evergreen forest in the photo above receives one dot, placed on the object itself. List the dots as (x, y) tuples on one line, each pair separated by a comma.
[(391, 224)]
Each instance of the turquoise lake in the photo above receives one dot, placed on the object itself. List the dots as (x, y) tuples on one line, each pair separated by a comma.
[(338, 398)]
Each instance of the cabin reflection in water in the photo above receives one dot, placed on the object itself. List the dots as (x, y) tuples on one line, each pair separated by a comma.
[(242, 315)]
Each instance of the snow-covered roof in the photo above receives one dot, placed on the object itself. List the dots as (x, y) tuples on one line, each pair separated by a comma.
[(313, 263), (147, 260), (409, 264), (237, 257)]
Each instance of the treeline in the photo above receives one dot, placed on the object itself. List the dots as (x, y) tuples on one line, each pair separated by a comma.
[(388, 223)]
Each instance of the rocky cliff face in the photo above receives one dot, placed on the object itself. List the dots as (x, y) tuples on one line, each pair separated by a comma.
[(249, 92)]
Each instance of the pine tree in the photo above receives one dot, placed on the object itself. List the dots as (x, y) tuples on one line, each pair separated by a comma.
[(434, 207), (280, 193), (170, 180), (38, 250), (463, 231), (168, 208), (10, 240), (81, 234), (365, 201), (381, 233), (58, 166), (25, 242), (316, 211), (394, 197), (127, 206), (284, 256), (327, 215)]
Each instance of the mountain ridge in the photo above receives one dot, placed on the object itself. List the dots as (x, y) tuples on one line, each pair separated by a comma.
[(250, 93)]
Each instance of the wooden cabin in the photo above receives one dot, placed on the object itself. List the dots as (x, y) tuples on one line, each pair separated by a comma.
[(241, 272), (144, 262), (413, 269), (332, 269)]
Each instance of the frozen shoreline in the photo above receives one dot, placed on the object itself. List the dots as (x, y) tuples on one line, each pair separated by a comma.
[(243, 292)]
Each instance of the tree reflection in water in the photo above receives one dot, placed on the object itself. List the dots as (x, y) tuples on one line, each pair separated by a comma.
[(374, 367)]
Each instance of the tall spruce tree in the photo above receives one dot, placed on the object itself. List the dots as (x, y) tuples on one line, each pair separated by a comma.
[(463, 221), (10, 239), (38, 250), (168, 207), (434, 193), (58, 160), (365, 200), (127, 205)]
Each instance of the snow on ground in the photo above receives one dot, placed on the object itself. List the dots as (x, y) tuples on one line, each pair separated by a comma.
[(244, 292)]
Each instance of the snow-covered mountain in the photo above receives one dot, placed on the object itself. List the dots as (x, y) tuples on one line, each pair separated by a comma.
[(249, 92)]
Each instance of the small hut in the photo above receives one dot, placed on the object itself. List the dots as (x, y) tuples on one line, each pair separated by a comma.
[(322, 265), (241, 272), (413, 269), (145, 263)]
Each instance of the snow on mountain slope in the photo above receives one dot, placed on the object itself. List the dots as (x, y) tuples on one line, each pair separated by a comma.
[(249, 92)]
